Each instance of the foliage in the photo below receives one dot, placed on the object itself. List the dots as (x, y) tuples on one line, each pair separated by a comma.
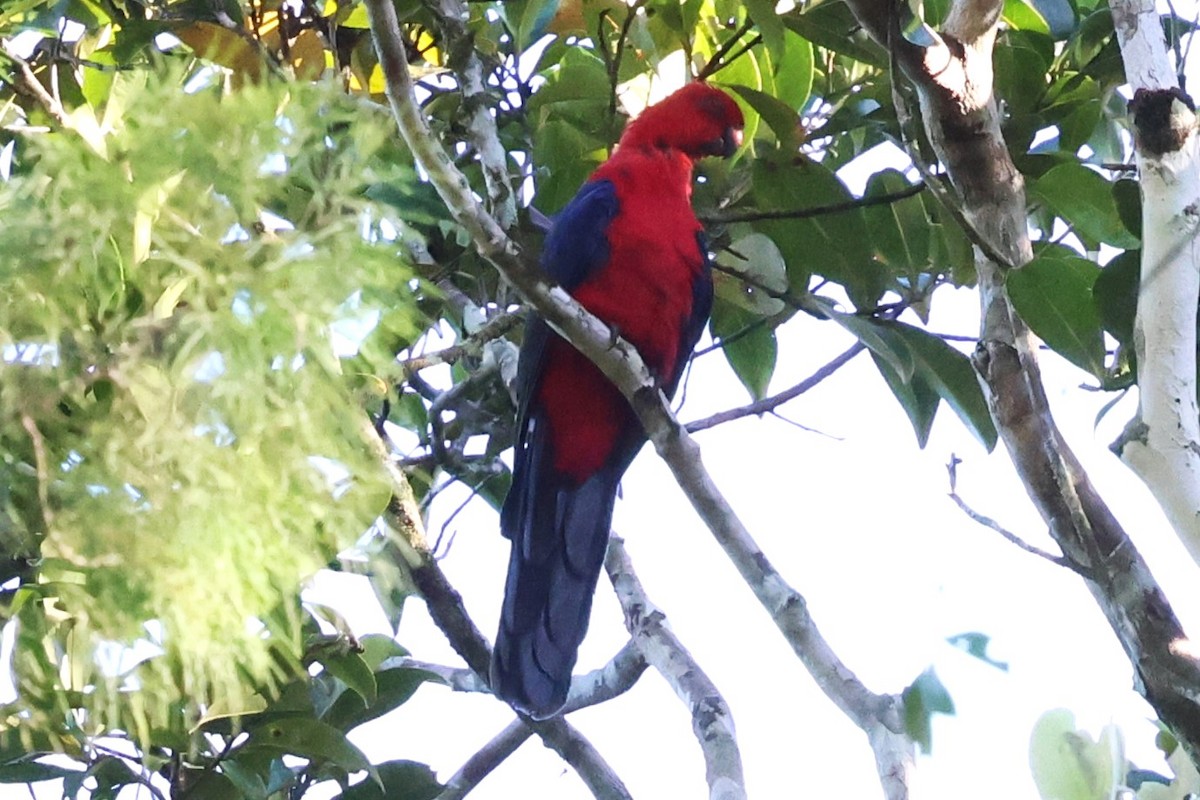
[(194, 211)]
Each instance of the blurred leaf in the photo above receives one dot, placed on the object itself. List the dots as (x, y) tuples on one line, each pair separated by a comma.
[(769, 25), (923, 698), (1053, 294), (27, 769), (1068, 764), (1023, 16), (976, 644)]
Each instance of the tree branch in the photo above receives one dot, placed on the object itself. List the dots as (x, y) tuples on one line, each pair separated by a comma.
[(481, 125), (768, 404), (471, 346), (754, 215), (598, 686), (712, 721)]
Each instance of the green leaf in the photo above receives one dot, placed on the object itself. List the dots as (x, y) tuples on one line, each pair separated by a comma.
[(794, 72), (534, 19), (401, 780), (881, 340), (1068, 764), (916, 396), (352, 669), (214, 786), (756, 257), (769, 25), (1116, 291), (783, 120), (308, 738), (923, 698), (395, 686), (1084, 199), (833, 26), (976, 644), (1127, 194), (836, 246), (1022, 16), (748, 342), (901, 231), (952, 376), (27, 769), (1053, 294)]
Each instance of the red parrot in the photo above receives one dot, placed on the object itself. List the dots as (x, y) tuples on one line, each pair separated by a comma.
[(628, 247)]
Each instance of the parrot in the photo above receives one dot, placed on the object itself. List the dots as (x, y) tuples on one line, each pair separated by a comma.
[(628, 247)]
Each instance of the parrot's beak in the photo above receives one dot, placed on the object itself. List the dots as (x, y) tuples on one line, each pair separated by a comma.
[(731, 141)]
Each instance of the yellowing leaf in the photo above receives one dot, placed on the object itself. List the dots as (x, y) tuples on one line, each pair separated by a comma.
[(223, 47), (308, 55), (169, 299)]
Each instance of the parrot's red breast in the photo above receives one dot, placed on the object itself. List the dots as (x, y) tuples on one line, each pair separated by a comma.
[(628, 247)]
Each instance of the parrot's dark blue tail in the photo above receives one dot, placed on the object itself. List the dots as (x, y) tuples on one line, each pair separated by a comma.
[(559, 535)]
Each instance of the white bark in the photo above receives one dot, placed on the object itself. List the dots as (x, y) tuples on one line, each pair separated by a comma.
[(1163, 442), (1143, 47)]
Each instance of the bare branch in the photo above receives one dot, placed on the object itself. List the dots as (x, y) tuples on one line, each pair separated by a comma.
[(613, 679), (471, 346), (480, 124), (754, 215), (718, 62), (768, 404), (712, 721), (27, 84)]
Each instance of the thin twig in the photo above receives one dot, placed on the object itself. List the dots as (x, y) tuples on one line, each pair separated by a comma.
[(471, 346), (27, 84), (756, 215), (717, 61), (988, 522), (41, 464), (768, 404)]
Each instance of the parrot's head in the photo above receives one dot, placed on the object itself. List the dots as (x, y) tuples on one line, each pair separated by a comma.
[(698, 120)]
